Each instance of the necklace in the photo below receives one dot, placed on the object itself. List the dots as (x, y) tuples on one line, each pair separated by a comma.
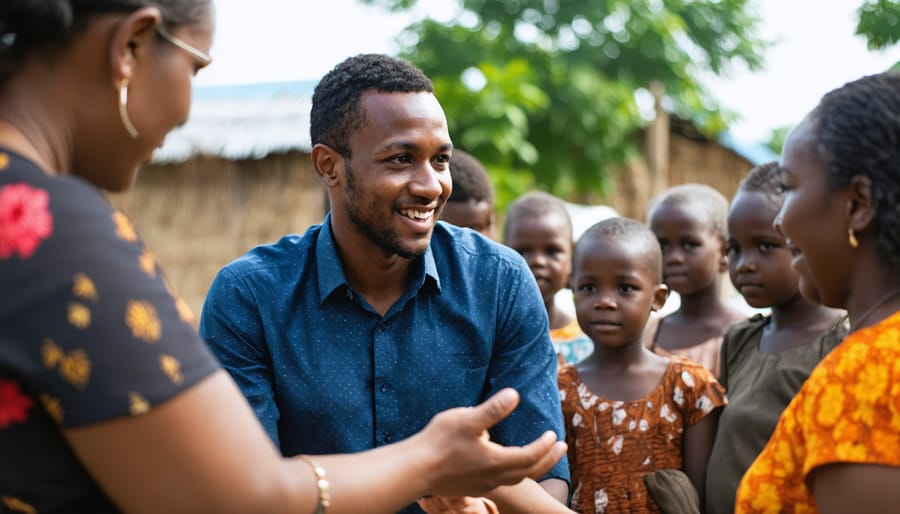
[(855, 323)]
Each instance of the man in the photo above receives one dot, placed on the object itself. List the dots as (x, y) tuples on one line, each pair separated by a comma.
[(471, 204), (355, 334)]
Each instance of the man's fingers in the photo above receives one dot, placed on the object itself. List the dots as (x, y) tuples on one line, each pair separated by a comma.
[(533, 460), (496, 408)]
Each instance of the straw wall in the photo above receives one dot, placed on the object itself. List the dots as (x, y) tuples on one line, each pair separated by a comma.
[(199, 215)]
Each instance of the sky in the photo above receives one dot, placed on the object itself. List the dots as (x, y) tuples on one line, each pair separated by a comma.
[(288, 40)]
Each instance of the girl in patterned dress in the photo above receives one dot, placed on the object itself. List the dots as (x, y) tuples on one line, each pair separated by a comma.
[(628, 411)]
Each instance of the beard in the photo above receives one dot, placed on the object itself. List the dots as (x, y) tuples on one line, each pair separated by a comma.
[(364, 218)]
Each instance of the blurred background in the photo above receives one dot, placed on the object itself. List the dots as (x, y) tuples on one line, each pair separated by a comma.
[(601, 102)]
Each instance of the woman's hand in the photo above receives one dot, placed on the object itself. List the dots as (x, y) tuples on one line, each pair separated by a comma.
[(461, 460), (457, 505)]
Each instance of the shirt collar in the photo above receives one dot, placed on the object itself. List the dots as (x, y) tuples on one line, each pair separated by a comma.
[(331, 275)]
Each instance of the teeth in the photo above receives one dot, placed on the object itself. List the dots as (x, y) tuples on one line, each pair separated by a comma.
[(417, 215)]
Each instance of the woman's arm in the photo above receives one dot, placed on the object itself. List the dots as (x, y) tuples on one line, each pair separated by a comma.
[(857, 488), (204, 451)]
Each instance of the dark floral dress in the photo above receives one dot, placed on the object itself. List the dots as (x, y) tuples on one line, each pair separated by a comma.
[(89, 331)]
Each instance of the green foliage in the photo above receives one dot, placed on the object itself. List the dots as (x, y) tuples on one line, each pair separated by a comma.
[(879, 23), (776, 139), (555, 106)]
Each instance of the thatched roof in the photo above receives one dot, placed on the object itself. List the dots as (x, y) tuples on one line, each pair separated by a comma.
[(242, 122)]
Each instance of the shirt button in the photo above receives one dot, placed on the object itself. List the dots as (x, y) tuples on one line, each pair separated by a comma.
[(385, 388), (387, 437)]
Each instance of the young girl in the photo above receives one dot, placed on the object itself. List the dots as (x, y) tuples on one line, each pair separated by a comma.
[(836, 447), (538, 227), (766, 359), (689, 222), (629, 412)]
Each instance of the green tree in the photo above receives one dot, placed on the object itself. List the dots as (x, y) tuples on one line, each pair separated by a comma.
[(879, 23), (547, 92), (777, 137)]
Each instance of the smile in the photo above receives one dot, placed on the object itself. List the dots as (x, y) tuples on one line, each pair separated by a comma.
[(418, 215)]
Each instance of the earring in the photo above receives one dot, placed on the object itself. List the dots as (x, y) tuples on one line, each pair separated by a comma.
[(123, 110), (852, 238)]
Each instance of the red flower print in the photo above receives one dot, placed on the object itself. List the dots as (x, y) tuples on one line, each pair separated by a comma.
[(24, 219), (13, 404)]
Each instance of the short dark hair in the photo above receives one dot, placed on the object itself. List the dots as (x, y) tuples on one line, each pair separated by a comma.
[(765, 179), (618, 229), (335, 103), (470, 179), (533, 205), (856, 131), (28, 27), (707, 200)]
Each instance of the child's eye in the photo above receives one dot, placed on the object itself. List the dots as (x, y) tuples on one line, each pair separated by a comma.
[(689, 245), (627, 288), (587, 288), (732, 249), (767, 247)]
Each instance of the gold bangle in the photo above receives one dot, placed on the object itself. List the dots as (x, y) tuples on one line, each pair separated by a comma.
[(321, 484)]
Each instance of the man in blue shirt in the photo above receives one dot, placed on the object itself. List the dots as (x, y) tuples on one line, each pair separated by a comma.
[(356, 333)]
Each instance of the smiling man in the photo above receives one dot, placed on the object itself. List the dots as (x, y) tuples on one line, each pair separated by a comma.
[(356, 333)]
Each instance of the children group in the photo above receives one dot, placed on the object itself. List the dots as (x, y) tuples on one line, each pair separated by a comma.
[(643, 395)]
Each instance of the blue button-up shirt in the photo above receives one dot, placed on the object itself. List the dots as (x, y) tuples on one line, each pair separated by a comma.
[(326, 373)]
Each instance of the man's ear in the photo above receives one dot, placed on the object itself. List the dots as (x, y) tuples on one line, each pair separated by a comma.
[(132, 37), (328, 163), (660, 295), (861, 205)]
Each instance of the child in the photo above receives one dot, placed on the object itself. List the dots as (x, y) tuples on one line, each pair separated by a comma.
[(471, 202), (538, 227), (766, 359), (689, 222), (629, 412)]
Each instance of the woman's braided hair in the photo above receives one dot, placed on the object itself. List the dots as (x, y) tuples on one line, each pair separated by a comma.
[(856, 131)]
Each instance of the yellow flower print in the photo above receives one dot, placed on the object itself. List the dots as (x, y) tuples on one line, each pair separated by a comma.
[(830, 404), (79, 315), (124, 228), (850, 451), (15, 504), (184, 311), (172, 368), (872, 382), (76, 368), (141, 318), (894, 405), (855, 358), (767, 499), (785, 459), (51, 353), (137, 404), (53, 407), (148, 262), (885, 441), (84, 288), (4, 161)]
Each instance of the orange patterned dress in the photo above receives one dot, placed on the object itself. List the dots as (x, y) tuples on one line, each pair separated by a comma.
[(614, 444), (848, 411)]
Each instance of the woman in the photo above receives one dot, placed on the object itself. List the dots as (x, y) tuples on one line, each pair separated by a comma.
[(108, 399), (836, 447)]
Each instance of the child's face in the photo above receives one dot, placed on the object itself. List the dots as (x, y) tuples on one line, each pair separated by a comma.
[(477, 215), (615, 290), (759, 262), (693, 256), (546, 244)]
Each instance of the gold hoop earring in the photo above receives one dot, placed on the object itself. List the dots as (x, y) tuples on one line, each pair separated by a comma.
[(123, 110), (852, 238)]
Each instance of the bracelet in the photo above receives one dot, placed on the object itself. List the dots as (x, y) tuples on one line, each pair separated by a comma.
[(321, 484)]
